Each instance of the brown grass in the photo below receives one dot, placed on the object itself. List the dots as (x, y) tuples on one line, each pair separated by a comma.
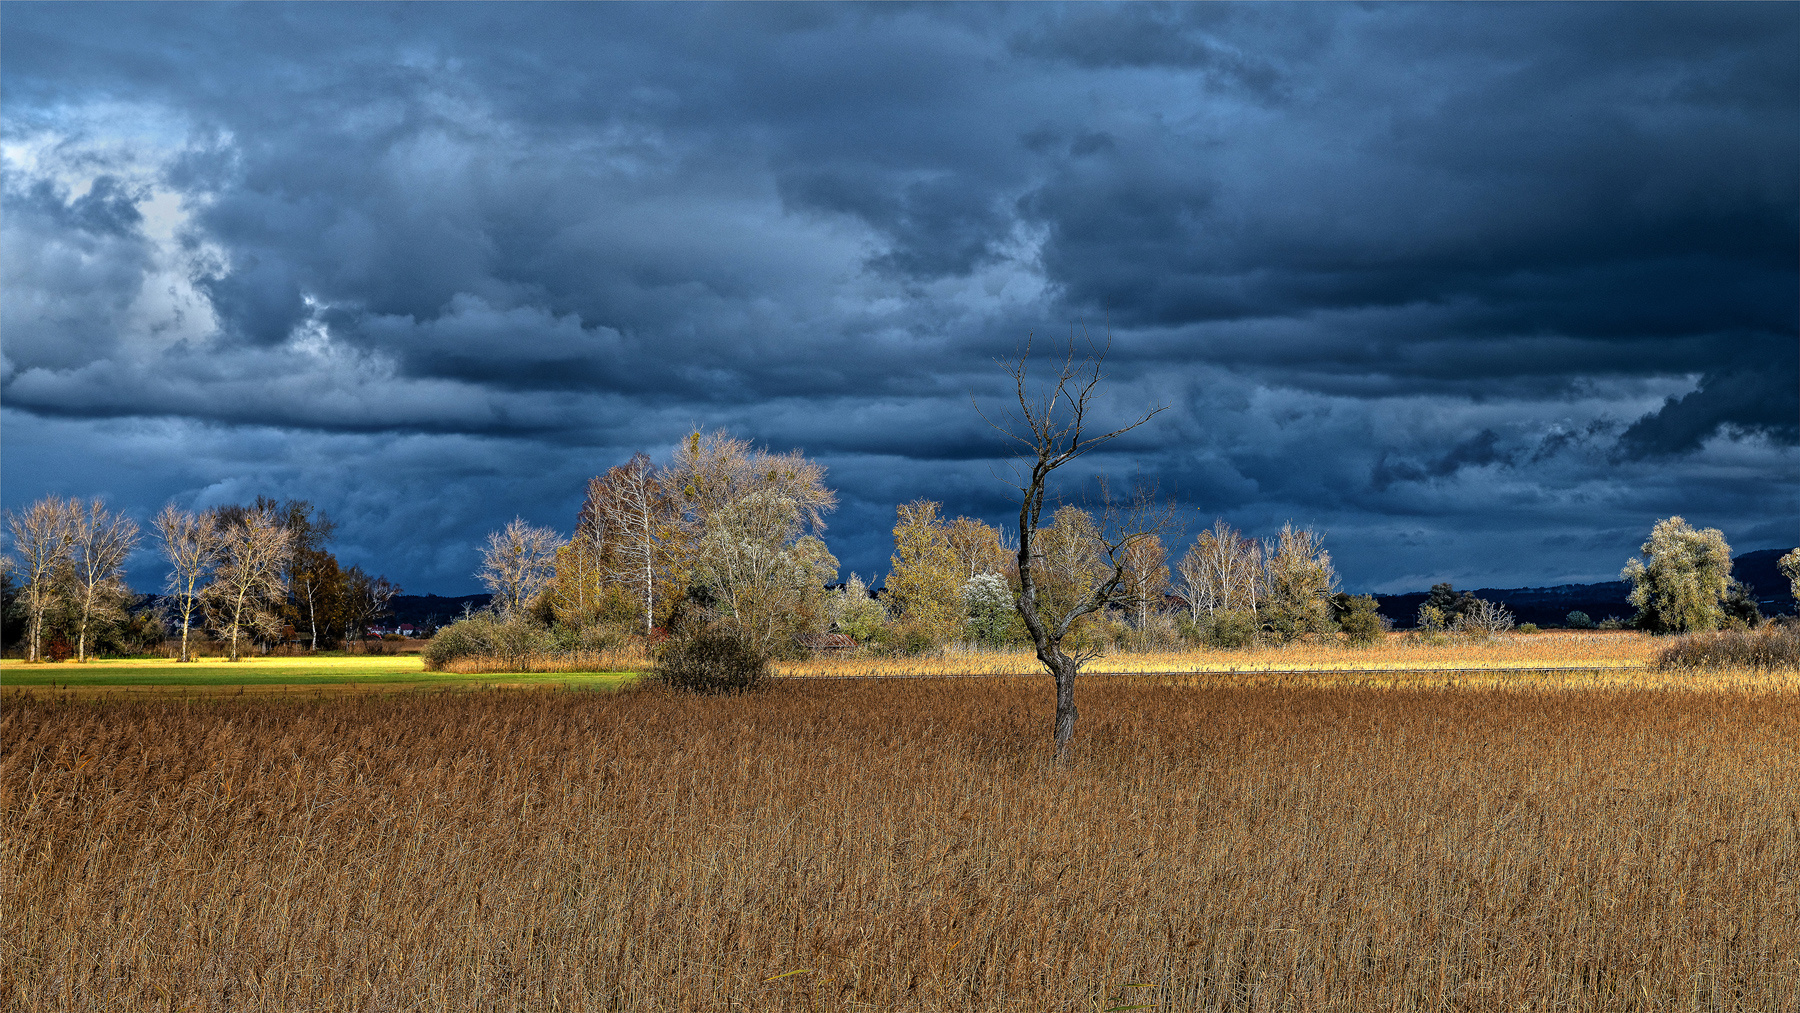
[(1599, 650), (625, 659), (905, 845), (1772, 648)]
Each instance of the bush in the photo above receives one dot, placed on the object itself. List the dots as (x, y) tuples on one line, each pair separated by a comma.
[(1483, 619), (1579, 621), (516, 639), (599, 637), (712, 661), (908, 641), (1771, 647), (1361, 623), (1229, 630), (1528, 627)]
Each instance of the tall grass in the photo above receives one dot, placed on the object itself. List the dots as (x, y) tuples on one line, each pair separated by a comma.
[(1772, 648), (627, 658), (905, 845), (1394, 651)]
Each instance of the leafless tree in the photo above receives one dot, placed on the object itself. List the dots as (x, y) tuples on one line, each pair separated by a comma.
[(1221, 572), (639, 515), (1146, 578), (518, 561), (366, 599), (42, 535), (1484, 619), (190, 542), (100, 542), (1051, 424), (249, 582)]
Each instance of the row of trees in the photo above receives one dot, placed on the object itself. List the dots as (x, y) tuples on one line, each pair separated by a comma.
[(726, 533), (246, 574)]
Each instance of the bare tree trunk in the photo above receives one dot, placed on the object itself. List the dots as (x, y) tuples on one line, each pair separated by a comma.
[(1065, 669), (87, 610), (312, 613)]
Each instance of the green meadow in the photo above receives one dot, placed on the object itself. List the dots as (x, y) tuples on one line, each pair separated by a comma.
[(369, 672)]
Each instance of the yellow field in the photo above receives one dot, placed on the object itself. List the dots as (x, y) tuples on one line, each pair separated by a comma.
[(1608, 650), (266, 676), (1543, 660)]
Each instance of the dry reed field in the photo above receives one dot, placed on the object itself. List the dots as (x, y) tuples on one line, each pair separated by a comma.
[(1397, 651), (906, 846)]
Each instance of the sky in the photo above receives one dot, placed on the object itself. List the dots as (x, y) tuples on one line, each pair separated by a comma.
[(1480, 291)]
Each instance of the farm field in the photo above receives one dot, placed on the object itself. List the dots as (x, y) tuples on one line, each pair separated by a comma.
[(267, 675), (906, 845)]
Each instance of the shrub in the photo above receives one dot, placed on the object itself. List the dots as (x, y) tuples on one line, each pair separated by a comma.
[(1771, 647), (1229, 630), (712, 661), (516, 639), (910, 640), (1483, 619), (1528, 627), (1579, 621), (1361, 623), (988, 602)]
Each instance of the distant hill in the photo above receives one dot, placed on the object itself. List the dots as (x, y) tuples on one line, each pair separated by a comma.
[(1550, 606), (430, 610)]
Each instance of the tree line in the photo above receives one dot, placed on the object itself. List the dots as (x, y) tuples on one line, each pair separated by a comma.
[(247, 575), (726, 536)]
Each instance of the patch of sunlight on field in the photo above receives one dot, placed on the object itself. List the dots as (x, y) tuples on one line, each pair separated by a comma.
[(273, 674), (1403, 651)]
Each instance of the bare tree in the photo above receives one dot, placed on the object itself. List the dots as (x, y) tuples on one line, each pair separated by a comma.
[(190, 543), (1485, 619), (365, 600), (42, 535), (518, 561), (100, 541), (1146, 578), (1221, 572), (249, 582), (641, 517), (977, 547), (1052, 427)]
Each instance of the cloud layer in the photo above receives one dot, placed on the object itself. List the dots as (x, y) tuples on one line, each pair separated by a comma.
[(1483, 291)]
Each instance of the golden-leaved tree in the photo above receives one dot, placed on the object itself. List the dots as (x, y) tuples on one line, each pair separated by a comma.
[(748, 536), (1298, 582), (1680, 584), (926, 578)]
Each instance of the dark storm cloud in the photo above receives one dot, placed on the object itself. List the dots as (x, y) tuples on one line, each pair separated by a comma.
[(1434, 278)]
